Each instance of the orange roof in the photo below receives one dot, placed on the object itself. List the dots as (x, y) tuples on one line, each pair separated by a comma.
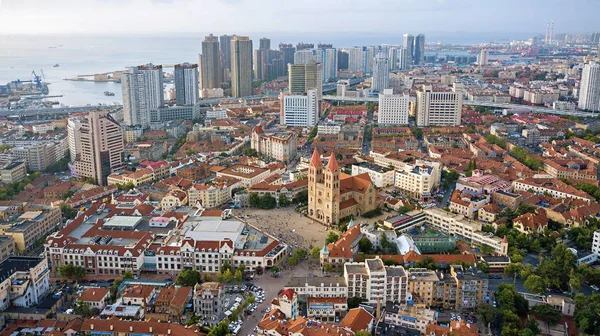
[(332, 165), (412, 256), (93, 294), (138, 327), (315, 161), (138, 291), (357, 319)]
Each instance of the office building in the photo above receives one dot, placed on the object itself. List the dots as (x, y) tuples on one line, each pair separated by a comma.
[(305, 56), (381, 73), (300, 110), (589, 93), (31, 226), (225, 49), (438, 108), (303, 77), (393, 108), (101, 147), (210, 63), (419, 49), (342, 57), (142, 91), (483, 57), (409, 45), (241, 66), (186, 84), (356, 59)]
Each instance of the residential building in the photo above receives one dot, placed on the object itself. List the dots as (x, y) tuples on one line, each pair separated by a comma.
[(381, 73), (327, 309), (73, 130), (358, 319), (170, 303), (419, 180), (342, 250), (467, 202), (375, 282), (211, 66), (328, 59), (333, 195), (208, 300), (571, 169), (318, 287), (142, 91), (287, 303), (552, 186), (213, 195), (409, 46), (471, 287), (174, 199), (596, 243), (118, 327), (393, 108), (25, 281), (7, 246), (241, 66), (409, 316), (30, 226), (176, 112), (589, 92), (356, 59), (216, 114), (437, 108), (39, 155), (304, 56), (186, 84), (300, 110), (247, 175), (96, 297), (482, 60), (101, 147), (225, 49), (422, 285), (12, 172), (279, 146), (529, 223), (381, 177)]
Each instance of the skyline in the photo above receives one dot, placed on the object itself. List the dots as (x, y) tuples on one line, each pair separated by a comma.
[(337, 16)]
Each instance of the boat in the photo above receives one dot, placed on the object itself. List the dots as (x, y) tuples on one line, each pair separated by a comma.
[(108, 93), (56, 65)]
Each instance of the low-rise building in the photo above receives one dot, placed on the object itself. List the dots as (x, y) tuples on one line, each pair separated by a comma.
[(13, 172), (118, 327), (7, 246), (529, 223), (174, 199), (328, 309), (247, 175), (552, 186), (409, 316), (96, 297), (318, 287), (30, 226), (380, 176), (279, 146), (170, 302), (358, 319), (24, 281), (214, 194), (208, 300), (419, 180), (467, 203), (373, 281)]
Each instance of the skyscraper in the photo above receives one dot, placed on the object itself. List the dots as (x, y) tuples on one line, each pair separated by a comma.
[(381, 73), (100, 147), (305, 77), (419, 50), (186, 84), (409, 45), (288, 51), (393, 58), (303, 46), (210, 63), (241, 66), (328, 57), (225, 43), (370, 53), (403, 58), (142, 91), (299, 110), (342, 57), (356, 59), (483, 57), (265, 44), (439, 108), (259, 64), (589, 93), (393, 108)]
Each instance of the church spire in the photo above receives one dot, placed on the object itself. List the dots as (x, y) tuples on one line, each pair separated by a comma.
[(315, 161), (332, 165)]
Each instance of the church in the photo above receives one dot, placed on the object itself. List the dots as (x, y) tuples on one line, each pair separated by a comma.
[(333, 195)]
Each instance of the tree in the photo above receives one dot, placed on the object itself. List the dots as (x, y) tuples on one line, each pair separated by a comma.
[(536, 284), (365, 245), (237, 277), (227, 275), (85, 309), (362, 333), (332, 237), (301, 197), (129, 185), (327, 267), (267, 202), (128, 275), (547, 313), (253, 200), (221, 329), (487, 313), (315, 253), (574, 281), (71, 271), (188, 278), (426, 262), (484, 267), (67, 211), (531, 327), (383, 241), (283, 201), (248, 151), (353, 302)]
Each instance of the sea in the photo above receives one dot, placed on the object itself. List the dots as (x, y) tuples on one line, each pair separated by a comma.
[(77, 55)]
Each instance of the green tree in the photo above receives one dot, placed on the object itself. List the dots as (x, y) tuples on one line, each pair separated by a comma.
[(129, 185), (532, 327), (315, 253), (301, 197), (547, 313), (327, 267), (128, 275), (227, 275), (237, 277), (67, 211), (188, 278), (283, 201), (85, 309), (426, 262), (536, 284), (332, 237), (253, 200), (221, 329), (383, 241), (362, 333), (267, 202), (354, 301), (365, 245), (487, 313), (71, 272)]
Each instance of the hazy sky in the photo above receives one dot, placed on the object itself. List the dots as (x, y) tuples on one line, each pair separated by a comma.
[(299, 16)]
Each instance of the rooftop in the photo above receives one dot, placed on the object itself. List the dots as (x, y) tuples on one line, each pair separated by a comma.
[(17, 264)]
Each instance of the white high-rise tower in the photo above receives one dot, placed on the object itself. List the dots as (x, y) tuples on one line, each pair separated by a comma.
[(142, 91), (381, 73), (589, 93)]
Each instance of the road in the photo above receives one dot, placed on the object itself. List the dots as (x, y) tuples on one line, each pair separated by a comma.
[(366, 149)]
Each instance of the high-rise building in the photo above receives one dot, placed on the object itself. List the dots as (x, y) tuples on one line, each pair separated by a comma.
[(225, 44), (342, 57), (304, 77), (403, 58), (589, 93), (259, 64), (305, 56), (142, 91), (393, 58), (438, 108), (73, 134), (186, 84), (393, 108), (299, 110), (328, 58), (241, 66), (265, 44), (303, 46), (370, 53), (381, 73), (419, 49), (409, 45), (356, 59), (101, 147), (595, 38), (210, 63), (287, 51), (483, 57)]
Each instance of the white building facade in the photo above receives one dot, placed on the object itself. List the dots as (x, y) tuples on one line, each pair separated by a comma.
[(393, 108)]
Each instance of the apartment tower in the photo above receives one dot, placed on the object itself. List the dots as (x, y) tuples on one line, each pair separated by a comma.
[(186, 84), (210, 61), (142, 92), (241, 66)]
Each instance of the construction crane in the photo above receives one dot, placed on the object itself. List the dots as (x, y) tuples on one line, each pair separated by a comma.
[(38, 79)]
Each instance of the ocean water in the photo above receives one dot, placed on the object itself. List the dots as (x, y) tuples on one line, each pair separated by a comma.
[(87, 55)]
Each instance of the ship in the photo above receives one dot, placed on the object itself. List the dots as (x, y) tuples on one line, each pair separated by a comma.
[(108, 93), (56, 65)]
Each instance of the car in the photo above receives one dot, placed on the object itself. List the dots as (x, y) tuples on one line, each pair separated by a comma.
[(594, 287)]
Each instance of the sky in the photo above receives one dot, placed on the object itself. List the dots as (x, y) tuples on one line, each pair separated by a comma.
[(297, 16)]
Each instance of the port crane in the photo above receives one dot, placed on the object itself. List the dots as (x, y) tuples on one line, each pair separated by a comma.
[(38, 78)]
